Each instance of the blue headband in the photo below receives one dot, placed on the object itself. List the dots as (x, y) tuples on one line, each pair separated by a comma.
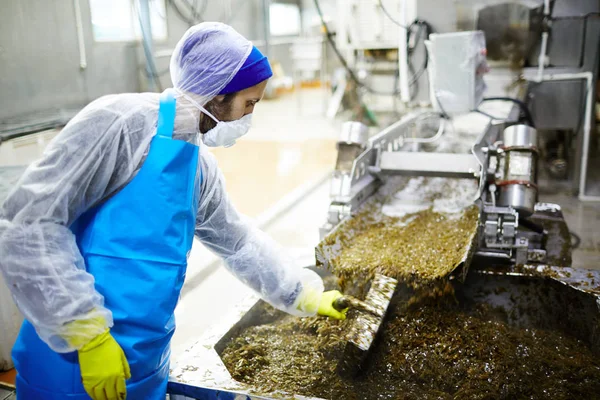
[(256, 69)]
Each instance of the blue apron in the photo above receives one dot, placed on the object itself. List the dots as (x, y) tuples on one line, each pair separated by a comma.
[(135, 245)]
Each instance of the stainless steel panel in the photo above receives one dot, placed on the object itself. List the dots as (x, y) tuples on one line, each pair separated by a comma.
[(567, 8), (565, 44), (429, 164), (557, 104)]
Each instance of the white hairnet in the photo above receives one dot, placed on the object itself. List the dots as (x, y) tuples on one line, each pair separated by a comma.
[(207, 58)]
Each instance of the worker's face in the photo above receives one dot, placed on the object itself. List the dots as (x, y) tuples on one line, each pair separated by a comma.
[(232, 106)]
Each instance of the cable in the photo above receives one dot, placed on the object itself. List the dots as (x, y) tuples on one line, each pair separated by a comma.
[(157, 10), (200, 14), (522, 106), (489, 115), (353, 76), (236, 10), (180, 13), (385, 11), (444, 113), (428, 31), (413, 84), (192, 8), (416, 75)]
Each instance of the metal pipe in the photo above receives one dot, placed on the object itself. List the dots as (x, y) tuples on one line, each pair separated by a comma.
[(546, 7), (80, 38), (542, 57), (146, 28), (544, 47), (587, 126), (393, 129), (269, 91), (431, 139), (403, 55), (267, 25)]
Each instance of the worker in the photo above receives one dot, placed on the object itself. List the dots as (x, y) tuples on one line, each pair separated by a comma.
[(94, 239)]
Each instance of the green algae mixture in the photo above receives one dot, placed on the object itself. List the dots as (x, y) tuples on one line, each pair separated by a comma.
[(418, 248), (432, 350)]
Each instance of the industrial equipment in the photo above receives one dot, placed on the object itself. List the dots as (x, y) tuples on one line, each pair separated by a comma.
[(503, 161), (554, 45)]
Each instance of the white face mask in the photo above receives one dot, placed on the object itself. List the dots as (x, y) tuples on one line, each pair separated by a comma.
[(225, 133)]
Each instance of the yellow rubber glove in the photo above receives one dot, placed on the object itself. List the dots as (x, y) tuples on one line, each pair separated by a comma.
[(326, 305), (103, 365), (312, 301), (104, 368)]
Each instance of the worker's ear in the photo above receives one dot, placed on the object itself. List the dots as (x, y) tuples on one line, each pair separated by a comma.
[(219, 98)]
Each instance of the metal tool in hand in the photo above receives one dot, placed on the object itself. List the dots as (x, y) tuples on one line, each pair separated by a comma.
[(345, 302), (367, 323)]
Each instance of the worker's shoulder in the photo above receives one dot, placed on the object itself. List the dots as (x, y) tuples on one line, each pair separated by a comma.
[(125, 106)]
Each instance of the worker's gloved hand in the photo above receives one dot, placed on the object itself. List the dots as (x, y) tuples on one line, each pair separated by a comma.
[(104, 368), (326, 305), (317, 302), (103, 365)]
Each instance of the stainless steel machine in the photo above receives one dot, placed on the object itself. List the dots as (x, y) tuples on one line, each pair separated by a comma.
[(503, 161)]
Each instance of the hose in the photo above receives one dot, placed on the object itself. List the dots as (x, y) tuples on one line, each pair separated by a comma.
[(522, 106)]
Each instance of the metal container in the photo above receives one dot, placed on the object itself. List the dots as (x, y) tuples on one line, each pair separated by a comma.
[(517, 185)]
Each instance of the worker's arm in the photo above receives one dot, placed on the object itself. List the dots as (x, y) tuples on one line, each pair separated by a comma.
[(39, 258), (250, 254)]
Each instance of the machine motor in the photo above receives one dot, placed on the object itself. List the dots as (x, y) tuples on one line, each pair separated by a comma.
[(517, 178)]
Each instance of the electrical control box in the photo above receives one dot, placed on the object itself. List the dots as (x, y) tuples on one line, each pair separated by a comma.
[(457, 63)]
